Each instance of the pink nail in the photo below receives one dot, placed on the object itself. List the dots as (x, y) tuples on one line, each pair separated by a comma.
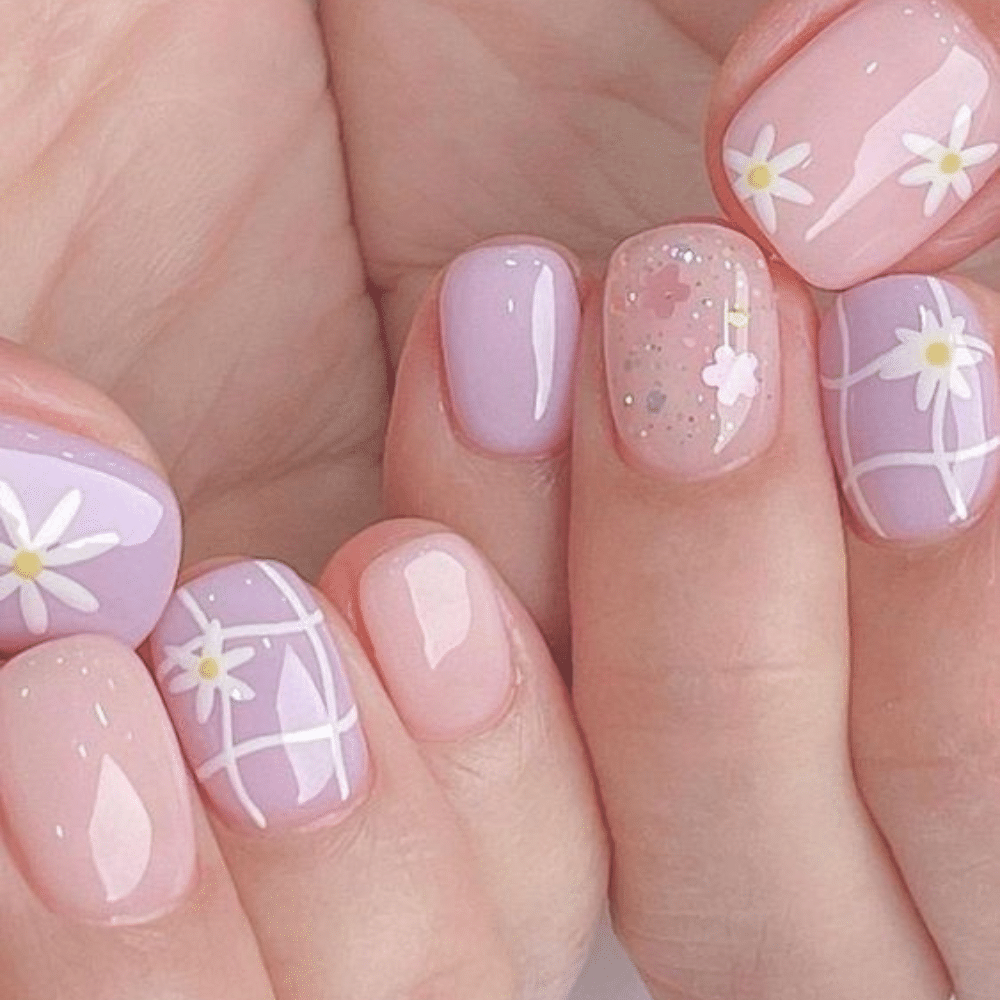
[(510, 319), (870, 139), (435, 622), (92, 783), (691, 349), (253, 680)]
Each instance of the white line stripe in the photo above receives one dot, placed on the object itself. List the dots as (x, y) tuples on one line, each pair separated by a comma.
[(194, 609), (233, 768), (326, 671), (920, 459)]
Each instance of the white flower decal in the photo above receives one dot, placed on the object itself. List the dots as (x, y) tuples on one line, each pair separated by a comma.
[(210, 671), (733, 375), (946, 166), (936, 354), (760, 177), (30, 559)]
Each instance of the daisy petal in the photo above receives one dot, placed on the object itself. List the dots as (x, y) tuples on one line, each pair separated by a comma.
[(964, 358), (59, 520), (926, 173), (71, 593), (900, 362), (794, 156), (922, 145), (959, 385), (82, 549), (6, 554), (764, 144), (205, 702), (790, 191), (237, 657), (36, 615), (764, 204), (962, 185), (907, 336), (239, 691), (183, 682), (979, 154), (736, 160), (935, 198), (8, 584), (15, 521), (742, 188), (961, 127), (926, 387)]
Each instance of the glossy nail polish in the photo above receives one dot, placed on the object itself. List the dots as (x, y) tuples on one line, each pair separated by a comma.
[(435, 623), (89, 539), (869, 139), (691, 350), (510, 321), (910, 404), (252, 678), (92, 784)]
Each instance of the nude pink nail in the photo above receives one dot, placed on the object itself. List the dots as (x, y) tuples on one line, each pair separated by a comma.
[(691, 350), (92, 783), (510, 321), (869, 139), (254, 681), (435, 623)]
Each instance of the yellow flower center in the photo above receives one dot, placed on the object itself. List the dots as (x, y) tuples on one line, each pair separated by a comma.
[(951, 163), (738, 318), (760, 177), (27, 565), (938, 354), (208, 669)]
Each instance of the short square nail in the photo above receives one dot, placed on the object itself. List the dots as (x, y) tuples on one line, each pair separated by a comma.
[(869, 139), (89, 539), (253, 680), (92, 784), (691, 350), (432, 614), (910, 404), (510, 322)]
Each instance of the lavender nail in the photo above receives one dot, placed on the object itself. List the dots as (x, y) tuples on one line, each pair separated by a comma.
[(510, 318), (910, 403), (253, 681), (89, 539)]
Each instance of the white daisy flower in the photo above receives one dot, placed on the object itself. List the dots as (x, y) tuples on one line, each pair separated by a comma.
[(759, 176), (936, 354), (30, 559), (733, 375), (946, 166), (210, 671)]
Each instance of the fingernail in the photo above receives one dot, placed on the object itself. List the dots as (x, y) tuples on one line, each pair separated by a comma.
[(92, 782), (691, 349), (510, 321), (910, 403), (870, 139), (89, 539), (434, 620), (253, 680)]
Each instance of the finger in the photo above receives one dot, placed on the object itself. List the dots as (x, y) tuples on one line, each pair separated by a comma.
[(825, 125), (475, 686), (711, 645), (347, 860), (89, 531), (923, 604), (479, 430), (128, 895)]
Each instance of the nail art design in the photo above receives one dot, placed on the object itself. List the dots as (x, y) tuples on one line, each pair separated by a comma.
[(907, 114), (910, 405), (946, 167), (691, 348), (89, 539), (253, 681), (760, 177)]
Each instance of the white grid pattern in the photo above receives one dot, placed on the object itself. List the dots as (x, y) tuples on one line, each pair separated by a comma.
[(944, 461), (305, 623)]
